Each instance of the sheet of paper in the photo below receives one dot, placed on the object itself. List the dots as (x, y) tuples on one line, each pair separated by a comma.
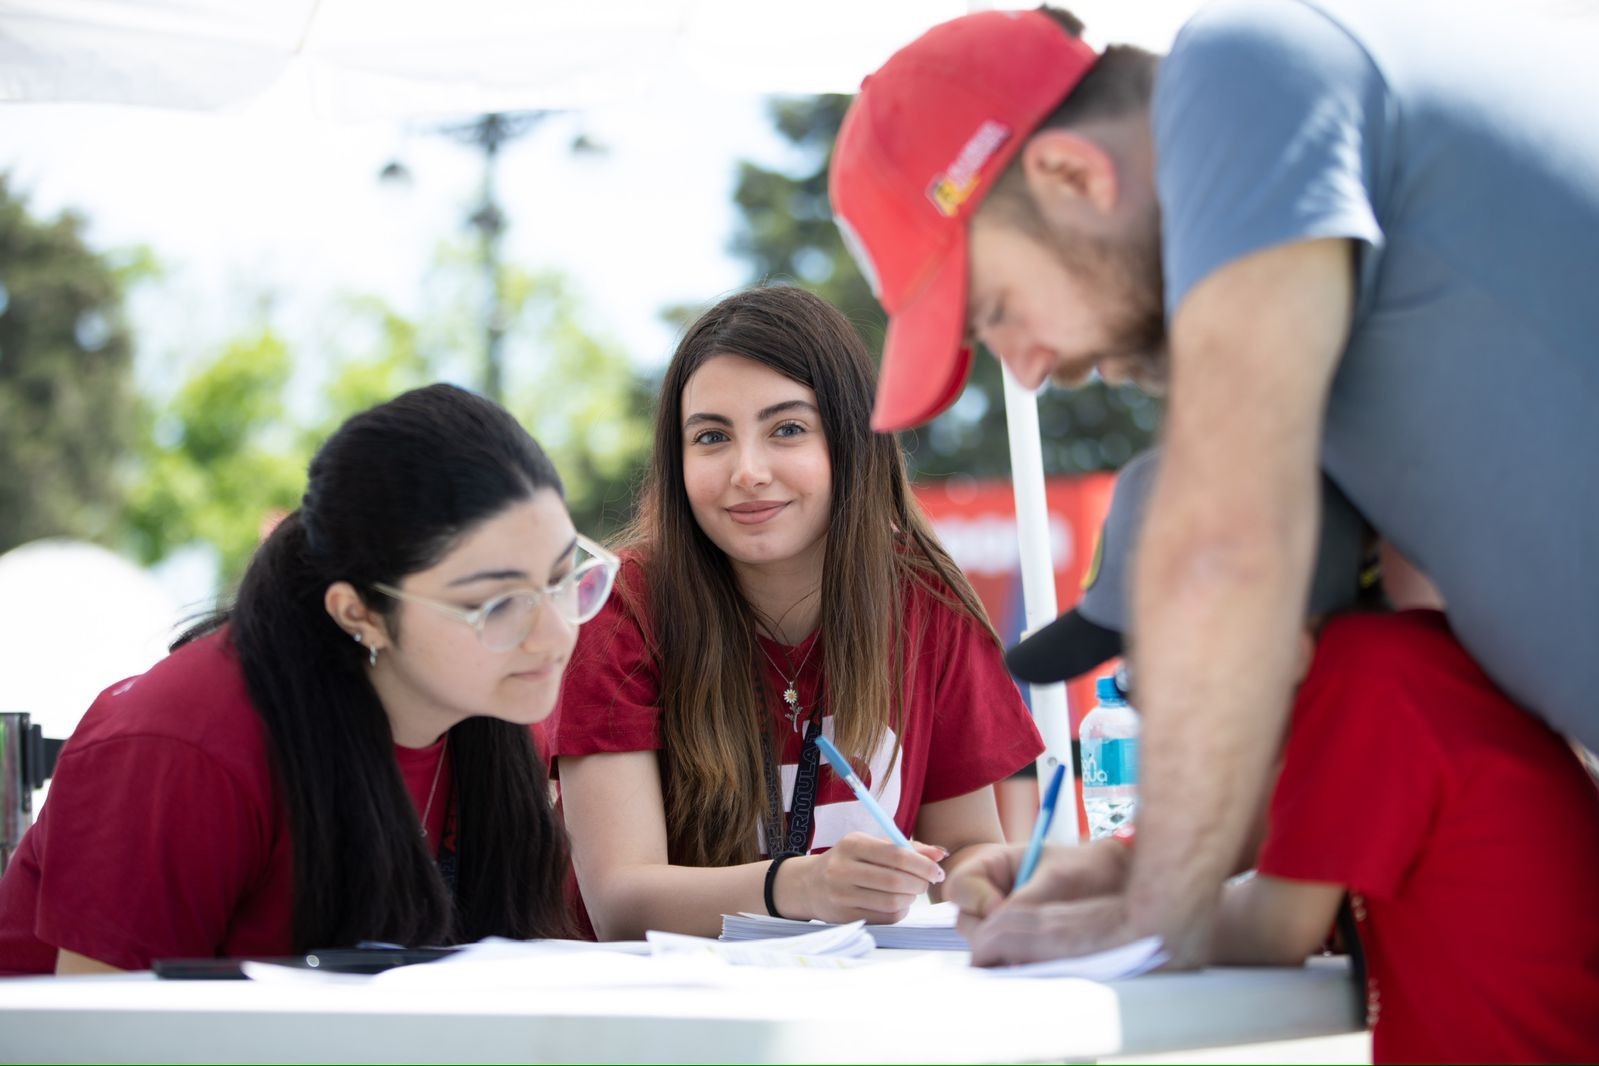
[(273, 973), (926, 927), (827, 947), (565, 964), (1129, 960)]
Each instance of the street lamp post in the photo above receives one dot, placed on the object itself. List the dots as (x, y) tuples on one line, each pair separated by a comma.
[(487, 133)]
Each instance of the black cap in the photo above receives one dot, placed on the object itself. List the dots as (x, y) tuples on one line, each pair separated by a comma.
[(1091, 633)]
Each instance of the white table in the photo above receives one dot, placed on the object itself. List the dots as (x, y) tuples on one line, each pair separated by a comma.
[(947, 1017)]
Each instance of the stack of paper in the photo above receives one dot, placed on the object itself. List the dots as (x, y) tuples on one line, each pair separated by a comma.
[(819, 947), (930, 927)]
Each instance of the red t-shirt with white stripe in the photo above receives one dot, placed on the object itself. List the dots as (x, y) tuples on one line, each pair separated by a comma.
[(965, 724)]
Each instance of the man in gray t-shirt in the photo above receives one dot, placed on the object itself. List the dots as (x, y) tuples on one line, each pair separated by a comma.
[(1356, 235)]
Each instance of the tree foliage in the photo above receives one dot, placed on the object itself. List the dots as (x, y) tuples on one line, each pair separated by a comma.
[(572, 387), (229, 451), (787, 233), (221, 459), (67, 403)]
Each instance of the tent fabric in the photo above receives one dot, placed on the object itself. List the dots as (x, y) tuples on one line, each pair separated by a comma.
[(405, 58)]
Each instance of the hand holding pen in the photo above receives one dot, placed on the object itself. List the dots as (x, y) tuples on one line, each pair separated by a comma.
[(862, 876), (1037, 873)]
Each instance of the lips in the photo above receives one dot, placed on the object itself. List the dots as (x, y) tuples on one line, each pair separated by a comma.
[(756, 512), (538, 673)]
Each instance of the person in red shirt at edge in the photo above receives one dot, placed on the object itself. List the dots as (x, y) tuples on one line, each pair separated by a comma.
[(779, 582), (345, 755), (1462, 831)]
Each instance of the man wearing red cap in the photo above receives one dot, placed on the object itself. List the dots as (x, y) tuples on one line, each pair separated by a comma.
[(1352, 235)]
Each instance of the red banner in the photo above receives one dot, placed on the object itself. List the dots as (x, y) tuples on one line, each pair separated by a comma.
[(976, 521)]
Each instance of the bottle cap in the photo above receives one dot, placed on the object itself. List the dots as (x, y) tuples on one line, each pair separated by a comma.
[(1105, 688)]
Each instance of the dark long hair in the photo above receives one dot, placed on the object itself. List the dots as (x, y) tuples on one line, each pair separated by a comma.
[(702, 630), (388, 495)]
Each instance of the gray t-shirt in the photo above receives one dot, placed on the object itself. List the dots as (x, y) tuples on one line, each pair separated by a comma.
[(1460, 151)]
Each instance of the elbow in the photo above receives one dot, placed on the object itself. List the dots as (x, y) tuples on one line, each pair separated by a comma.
[(608, 899), (611, 916), (1204, 562)]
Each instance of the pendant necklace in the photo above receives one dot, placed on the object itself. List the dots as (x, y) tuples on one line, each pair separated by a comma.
[(438, 767), (790, 685)]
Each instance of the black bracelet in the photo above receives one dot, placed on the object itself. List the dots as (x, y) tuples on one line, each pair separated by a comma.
[(771, 883)]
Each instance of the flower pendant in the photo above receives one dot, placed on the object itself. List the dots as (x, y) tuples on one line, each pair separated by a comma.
[(791, 697)]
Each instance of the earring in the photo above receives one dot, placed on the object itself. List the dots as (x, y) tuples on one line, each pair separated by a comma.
[(371, 652)]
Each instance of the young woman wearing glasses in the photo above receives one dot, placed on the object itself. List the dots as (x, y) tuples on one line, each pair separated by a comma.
[(345, 755), (780, 583)]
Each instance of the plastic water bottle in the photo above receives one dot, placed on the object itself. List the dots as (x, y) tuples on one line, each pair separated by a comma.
[(1109, 740)]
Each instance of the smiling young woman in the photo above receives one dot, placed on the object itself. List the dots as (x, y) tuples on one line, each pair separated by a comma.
[(779, 584), (345, 755)]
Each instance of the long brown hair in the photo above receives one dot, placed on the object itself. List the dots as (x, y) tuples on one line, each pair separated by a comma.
[(699, 627)]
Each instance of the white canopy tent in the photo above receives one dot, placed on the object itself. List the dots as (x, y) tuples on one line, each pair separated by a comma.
[(358, 59), (369, 59), (74, 618)]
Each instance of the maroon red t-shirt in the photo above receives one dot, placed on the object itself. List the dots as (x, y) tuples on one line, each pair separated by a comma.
[(965, 723), (1467, 834), (164, 834)]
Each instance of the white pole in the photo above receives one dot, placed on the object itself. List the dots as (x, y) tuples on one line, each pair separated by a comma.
[(1050, 709)]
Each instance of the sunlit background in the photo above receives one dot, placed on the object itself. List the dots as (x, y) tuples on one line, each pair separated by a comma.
[(194, 289)]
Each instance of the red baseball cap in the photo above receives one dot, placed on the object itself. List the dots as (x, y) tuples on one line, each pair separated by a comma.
[(918, 150)]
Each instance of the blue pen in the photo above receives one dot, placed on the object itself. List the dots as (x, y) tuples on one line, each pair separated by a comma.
[(1046, 815), (842, 768)]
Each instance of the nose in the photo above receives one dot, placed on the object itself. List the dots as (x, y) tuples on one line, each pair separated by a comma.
[(751, 470), (1029, 364), (549, 630)]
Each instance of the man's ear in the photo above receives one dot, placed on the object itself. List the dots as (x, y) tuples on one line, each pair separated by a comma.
[(1069, 175), (345, 606)]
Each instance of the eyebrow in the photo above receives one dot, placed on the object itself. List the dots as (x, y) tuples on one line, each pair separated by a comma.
[(760, 416), (510, 575)]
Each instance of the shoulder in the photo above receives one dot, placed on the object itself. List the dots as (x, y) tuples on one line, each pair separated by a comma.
[(625, 619), (1407, 663), (1261, 32), (195, 697), (1387, 641), (933, 604), (1261, 60)]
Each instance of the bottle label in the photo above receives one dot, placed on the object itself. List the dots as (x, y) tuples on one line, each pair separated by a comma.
[(1114, 763)]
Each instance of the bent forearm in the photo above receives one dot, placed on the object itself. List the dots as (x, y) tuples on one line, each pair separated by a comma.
[(624, 902), (1269, 921), (1216, 610)]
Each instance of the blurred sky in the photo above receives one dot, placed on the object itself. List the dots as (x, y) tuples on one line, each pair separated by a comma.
[(267, 199)]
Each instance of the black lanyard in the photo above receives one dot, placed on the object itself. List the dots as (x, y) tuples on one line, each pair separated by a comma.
[(797, 841)]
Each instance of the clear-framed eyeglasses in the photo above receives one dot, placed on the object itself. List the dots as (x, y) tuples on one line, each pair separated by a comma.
[(505, 621)]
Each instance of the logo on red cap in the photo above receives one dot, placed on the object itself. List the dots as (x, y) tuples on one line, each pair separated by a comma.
[(956, 184)]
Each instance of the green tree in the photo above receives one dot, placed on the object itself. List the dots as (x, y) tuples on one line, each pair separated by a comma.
[(221, 458), (579, 394), (67, 402), (787, 232), (574, 389), (229, 451)]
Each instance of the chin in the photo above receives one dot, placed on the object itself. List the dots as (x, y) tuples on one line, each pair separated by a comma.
[(526, 702), (754, 548)]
